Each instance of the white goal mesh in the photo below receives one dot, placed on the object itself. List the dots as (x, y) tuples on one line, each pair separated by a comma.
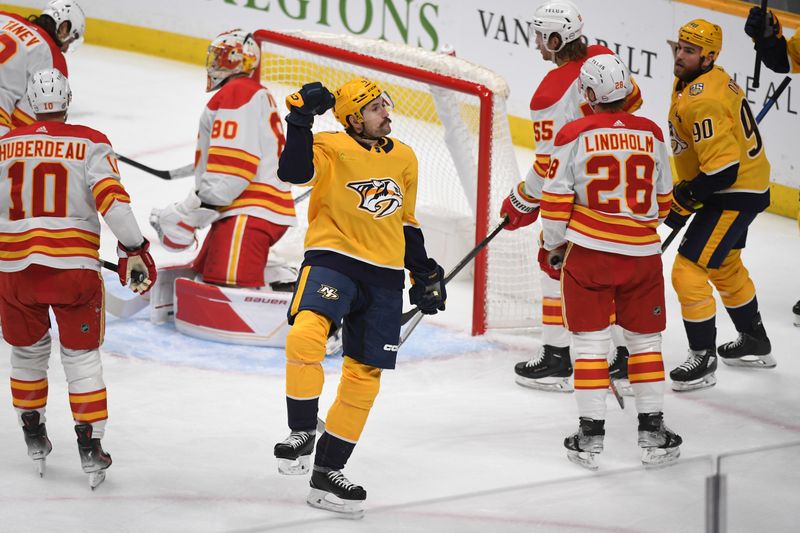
[(453, 114)]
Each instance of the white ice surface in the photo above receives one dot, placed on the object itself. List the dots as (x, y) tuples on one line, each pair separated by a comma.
[(452, 443)]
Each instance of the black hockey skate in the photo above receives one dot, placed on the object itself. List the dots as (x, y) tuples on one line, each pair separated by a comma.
[(39, 446), (585, 445), (94, 460), (697, 372), (660, 445), (752, 348), (294, 453), (331, 491), (796, 311), (550, 370)]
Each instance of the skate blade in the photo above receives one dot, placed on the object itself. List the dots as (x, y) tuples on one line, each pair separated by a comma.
[(552, 385), (698, 384), (623, 387), (751, 361), (587, 460), (657, 457), (620, 400), (41, 466), (321, 499), (95, 478), (297, 467), (797, 321)]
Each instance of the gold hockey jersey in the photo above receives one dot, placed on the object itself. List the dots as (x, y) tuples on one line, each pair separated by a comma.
[(712, 128), (362, 199)]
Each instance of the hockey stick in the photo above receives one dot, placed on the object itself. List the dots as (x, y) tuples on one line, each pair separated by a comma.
[(761, 114), (415, 314), (757, 67), (181, 172)]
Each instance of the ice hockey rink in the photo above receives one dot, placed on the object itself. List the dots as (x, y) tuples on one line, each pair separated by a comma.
[(452, 444)]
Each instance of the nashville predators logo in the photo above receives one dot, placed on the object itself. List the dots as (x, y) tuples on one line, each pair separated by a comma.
[(678, 144), (381, 197), (328, 292)]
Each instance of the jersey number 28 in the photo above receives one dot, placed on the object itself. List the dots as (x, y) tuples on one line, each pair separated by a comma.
[(637, 179)]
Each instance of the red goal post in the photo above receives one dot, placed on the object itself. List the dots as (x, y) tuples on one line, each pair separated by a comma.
[(452, 113)]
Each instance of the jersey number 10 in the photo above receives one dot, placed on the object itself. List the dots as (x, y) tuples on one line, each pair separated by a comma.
[(39, 205)]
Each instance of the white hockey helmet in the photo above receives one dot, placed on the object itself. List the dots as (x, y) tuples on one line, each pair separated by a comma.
[(68, 11), (232, 52), (49, 92), (607, 77), (561, 17)]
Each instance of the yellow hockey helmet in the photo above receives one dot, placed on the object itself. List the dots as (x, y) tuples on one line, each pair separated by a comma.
[(352, 97), (704, 34)]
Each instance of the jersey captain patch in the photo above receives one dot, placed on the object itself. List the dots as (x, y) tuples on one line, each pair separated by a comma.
[(381, 196)]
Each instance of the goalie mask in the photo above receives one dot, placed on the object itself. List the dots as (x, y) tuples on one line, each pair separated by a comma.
[(49, 92), (230, 53), (354, 95), (67, 11), (560, 17), (607, 78)]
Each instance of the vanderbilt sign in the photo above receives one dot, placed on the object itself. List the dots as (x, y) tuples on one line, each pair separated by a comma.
[(410, 21)]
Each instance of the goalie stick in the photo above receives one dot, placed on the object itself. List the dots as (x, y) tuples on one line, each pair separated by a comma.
[(415, 315), (181, 172), (761, 114)]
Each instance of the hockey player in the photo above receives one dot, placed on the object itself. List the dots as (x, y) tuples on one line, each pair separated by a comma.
[(56, 178), (778, 55), (611, 186), (555, 102), (29, 46), (236, 188), (723, 178), (362, 234)]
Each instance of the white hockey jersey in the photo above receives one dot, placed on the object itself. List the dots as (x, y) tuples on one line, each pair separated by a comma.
[(555, 103), (24, 50), (611, 185), (54, 179), (236, 162)]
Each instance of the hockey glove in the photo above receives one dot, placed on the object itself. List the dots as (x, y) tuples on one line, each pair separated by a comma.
[(550, 261), (522, 210), (312, 99), (176, 223), (428, 291), (137, 267), (683, 205), (760, 27)]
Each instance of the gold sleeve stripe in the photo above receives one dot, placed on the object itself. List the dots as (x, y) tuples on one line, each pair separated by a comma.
[(231, 170), (233, 152)]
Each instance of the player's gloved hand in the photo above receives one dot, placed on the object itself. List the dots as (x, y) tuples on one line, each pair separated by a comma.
[(428, 291), (522, 210), (137, 267), (550, 261), (760, 26), (312, 99), (683, 205), (176, 223)]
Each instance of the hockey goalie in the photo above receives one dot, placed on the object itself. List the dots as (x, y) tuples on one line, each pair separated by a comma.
[(224, 294)]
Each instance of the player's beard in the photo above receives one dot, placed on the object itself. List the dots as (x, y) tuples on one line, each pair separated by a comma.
[(382, 130), (687, 75)]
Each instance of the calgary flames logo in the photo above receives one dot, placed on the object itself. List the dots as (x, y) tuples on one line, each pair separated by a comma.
[(678, 144), (381, 197)]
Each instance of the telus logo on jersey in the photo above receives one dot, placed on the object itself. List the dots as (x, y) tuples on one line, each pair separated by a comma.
[(381, 196)]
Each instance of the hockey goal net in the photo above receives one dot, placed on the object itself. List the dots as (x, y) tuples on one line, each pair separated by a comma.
[(453, 114)]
